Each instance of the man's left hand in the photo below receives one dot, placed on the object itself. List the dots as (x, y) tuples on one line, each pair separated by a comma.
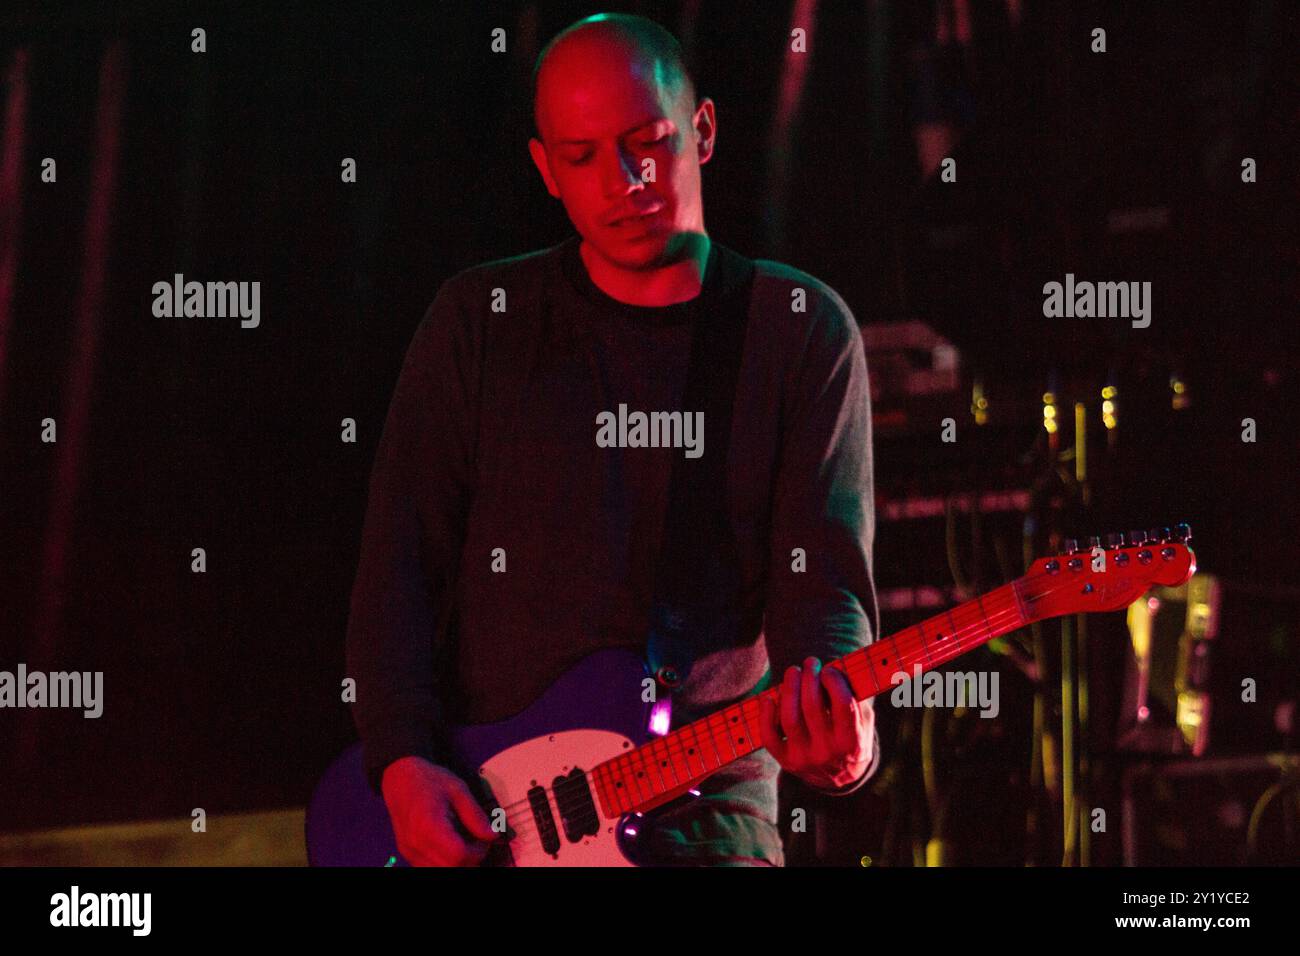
[(818, 730)]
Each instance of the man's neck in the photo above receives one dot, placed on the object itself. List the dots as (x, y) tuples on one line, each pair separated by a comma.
[(678, 281)]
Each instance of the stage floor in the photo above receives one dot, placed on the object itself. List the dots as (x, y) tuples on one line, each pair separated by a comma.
[(267, 838)]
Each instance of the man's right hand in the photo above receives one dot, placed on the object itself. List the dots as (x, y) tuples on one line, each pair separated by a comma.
[(435, 816)]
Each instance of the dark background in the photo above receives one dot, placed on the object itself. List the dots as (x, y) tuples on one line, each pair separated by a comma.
[(222, 689)]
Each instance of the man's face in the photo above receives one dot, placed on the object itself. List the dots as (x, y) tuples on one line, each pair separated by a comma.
[(621, 151)]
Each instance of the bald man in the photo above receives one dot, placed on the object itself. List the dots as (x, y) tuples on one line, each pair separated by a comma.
[(489, 444)]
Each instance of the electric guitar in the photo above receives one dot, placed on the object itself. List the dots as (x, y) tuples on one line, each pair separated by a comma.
[(569, 778)]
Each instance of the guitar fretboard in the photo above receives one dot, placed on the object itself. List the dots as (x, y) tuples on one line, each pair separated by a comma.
[(676, 762)]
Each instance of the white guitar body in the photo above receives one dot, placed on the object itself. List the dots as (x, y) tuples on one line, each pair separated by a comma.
[(535, 763), (537, 766)]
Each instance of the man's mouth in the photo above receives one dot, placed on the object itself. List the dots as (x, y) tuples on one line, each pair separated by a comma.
[(636, 218)]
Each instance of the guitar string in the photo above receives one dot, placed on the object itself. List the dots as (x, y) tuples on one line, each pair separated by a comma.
[(978, 620), (528, 835), (975, 623), (907, 645)]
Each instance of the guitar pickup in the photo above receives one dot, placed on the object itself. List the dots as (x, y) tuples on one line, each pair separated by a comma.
[(545, 821), (577, 809)]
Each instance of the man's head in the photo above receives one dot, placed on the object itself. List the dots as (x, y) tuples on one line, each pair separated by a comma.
[(614, 106)]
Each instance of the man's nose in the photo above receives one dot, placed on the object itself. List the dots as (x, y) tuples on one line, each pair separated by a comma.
[(620, 173)]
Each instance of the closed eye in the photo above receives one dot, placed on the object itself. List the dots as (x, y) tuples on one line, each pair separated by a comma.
[(584, 158)]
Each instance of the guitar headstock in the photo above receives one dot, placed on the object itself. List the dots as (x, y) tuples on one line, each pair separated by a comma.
[(1107, 576)]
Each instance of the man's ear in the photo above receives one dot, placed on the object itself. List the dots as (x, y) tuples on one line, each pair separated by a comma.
[(538, 152), (705, 122)]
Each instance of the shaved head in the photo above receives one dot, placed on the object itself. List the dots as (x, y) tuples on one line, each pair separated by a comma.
[(620, 142), (647, 48)]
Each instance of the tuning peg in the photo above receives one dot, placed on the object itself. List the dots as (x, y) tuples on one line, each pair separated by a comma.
[(1094, 542), (1137, 538), (1071, 545), (1183, 533), (1115, 539), (1155, 537)]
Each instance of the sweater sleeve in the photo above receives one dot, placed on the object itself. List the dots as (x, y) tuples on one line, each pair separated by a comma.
[(420, 490), (821, 598), (870, 772)]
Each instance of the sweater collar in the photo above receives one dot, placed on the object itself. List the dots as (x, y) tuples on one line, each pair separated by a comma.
[(574, 272)]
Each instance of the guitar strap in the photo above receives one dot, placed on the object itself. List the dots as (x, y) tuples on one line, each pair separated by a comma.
[(696, 565)]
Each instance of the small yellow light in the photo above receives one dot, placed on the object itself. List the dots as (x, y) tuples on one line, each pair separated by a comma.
[(979, 406)]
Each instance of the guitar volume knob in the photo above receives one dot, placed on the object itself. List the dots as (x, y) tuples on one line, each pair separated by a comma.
[(668, 676)]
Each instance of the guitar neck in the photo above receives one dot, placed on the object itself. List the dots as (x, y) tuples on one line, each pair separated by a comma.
[(670, 765)]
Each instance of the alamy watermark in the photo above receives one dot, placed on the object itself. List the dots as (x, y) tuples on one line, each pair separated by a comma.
[(626, 429), (946, 689), (212, 300), (1102, 300), (75, 908), (74, 689)]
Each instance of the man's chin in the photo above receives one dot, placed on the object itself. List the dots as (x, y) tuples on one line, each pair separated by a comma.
[(649, 253), (646, 254)]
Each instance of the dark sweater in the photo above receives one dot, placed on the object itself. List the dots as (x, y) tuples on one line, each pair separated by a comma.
[(490, 442)]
